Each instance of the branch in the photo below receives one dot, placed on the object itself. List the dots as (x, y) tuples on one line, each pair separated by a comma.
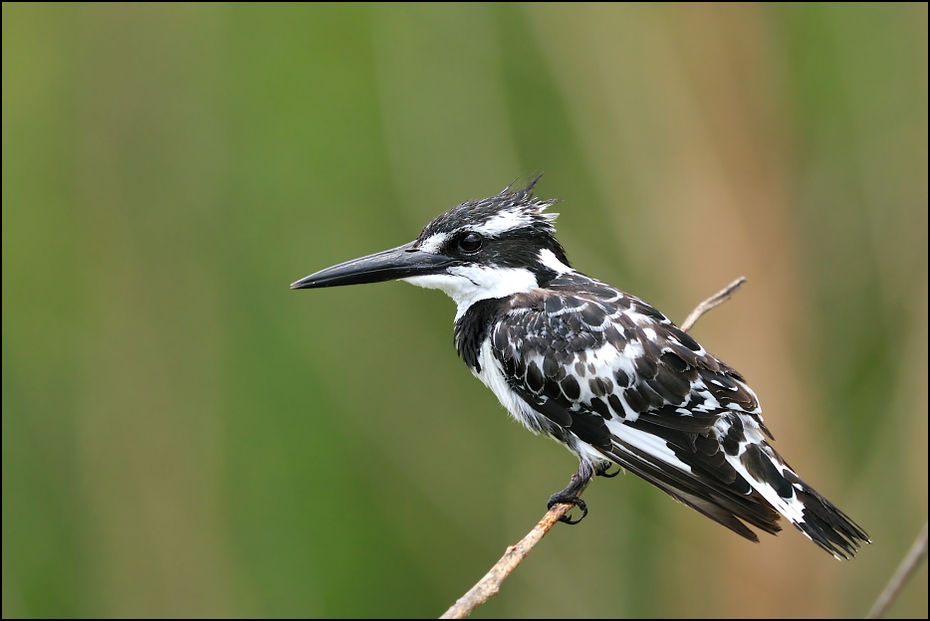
[(712, 302), (491, 582), (905, 570)]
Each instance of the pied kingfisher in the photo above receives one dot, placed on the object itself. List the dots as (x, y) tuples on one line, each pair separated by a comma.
[(599, 370)]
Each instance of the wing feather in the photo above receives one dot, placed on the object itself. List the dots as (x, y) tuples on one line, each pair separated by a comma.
[(614, 379)]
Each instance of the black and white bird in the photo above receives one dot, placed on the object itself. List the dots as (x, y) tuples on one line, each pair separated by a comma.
[(599, 370)]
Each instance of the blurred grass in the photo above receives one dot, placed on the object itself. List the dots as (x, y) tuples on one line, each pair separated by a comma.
[(183, 435)]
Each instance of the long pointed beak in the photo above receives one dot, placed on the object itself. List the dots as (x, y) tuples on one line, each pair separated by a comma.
[(401, 262)]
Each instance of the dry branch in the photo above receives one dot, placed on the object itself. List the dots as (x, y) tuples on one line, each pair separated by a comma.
[(906, 569)]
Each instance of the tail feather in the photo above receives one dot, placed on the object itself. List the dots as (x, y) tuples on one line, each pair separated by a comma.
[(754, 486), (824, 523), (815, 516)]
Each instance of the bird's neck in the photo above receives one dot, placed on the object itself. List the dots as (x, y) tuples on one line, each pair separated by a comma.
[(473, 327)]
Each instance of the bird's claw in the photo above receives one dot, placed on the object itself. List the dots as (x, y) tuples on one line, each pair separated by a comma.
[(556, 499), (603, 471)]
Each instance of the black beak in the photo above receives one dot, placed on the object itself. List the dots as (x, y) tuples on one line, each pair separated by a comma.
[(401, 262)]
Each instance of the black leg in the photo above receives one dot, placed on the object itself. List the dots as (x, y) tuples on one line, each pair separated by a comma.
[(569, 495)]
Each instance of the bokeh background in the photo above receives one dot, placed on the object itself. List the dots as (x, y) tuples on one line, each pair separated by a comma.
[(184, 435)]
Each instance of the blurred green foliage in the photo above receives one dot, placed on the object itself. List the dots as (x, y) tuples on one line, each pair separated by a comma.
[(183, 435)]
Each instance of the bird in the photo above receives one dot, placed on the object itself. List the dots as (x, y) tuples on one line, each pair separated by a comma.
[(600, 371)]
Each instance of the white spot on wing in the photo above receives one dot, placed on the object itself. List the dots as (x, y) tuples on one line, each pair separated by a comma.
[(648, 443)]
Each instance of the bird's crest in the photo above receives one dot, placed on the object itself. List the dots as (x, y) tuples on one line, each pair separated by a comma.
[(514, 208)]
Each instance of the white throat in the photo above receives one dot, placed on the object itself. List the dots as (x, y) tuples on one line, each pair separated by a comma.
[(468, 284)]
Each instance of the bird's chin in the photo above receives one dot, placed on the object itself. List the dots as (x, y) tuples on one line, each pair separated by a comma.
[(454, 286), (461, 289), (469, 284)]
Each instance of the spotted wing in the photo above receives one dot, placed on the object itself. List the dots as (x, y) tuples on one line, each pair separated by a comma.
[(614, 379)]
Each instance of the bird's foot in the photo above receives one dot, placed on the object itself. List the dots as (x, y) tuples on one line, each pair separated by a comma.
[(563, 498), (569, 495)]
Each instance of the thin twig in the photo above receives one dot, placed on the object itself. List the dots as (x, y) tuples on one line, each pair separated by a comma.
[(712, 302), (905, 570), (491, 582)]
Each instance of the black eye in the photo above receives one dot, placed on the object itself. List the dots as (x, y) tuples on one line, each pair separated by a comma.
[(470, 242)]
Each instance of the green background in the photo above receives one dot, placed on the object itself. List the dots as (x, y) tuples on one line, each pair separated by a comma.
[(184, 435)]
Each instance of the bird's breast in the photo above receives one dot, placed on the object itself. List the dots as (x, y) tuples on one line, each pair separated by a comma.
[(491, 374)]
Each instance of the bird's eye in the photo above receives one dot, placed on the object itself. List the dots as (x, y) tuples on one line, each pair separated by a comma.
[(470, 242)]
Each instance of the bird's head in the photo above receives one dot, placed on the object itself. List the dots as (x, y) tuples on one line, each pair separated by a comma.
[(491, 248)]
